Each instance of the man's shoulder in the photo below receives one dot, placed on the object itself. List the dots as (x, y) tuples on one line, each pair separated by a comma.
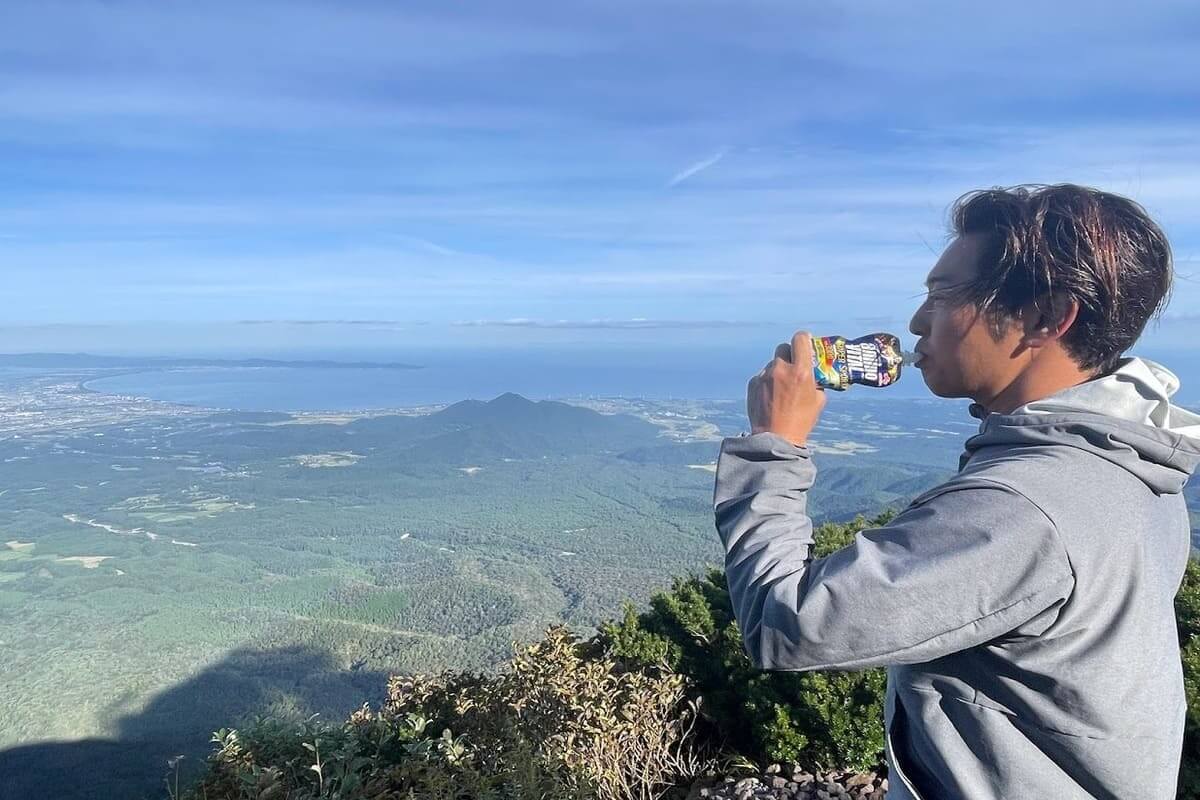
[(1064, 483), (983, 479), (1028, 468), (993, 485)]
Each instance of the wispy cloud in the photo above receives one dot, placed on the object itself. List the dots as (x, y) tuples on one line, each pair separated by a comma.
[(610, 324), (699, 166), (333, 322)]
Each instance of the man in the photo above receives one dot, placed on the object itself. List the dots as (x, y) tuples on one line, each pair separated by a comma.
[(1024, 608)]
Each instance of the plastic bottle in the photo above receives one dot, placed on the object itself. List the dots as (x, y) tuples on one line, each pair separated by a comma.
[(873, 360)]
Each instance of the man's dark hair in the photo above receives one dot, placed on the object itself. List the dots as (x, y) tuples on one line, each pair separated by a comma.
[(1051, 244)]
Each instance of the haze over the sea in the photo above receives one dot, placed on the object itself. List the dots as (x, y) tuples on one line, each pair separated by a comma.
[(450, 375)]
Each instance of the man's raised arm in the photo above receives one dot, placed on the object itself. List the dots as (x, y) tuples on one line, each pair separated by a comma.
[(967, 562)]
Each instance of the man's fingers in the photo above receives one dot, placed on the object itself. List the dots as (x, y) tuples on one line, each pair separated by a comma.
[(802, 349), (784, 351)]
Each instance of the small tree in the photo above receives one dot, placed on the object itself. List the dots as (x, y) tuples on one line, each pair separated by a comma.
[(1187, 617), (820, 719)]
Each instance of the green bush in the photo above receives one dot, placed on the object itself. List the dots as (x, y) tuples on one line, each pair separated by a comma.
[(820, 719), (1187, 616), (554, 726)]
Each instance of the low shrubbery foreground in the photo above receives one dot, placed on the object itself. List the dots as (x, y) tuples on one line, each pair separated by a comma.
[(653, 703)]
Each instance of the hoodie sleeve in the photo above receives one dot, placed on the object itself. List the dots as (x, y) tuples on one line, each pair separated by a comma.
[(965, 563)]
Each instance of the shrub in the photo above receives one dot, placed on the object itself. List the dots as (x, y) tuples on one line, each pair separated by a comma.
[(554, 725), (819, 719), (1187, 616)]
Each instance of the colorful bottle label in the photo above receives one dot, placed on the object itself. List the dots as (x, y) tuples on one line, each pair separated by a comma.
[(873, 360)]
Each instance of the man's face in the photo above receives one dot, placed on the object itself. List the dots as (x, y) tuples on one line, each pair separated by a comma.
[(960, 358)]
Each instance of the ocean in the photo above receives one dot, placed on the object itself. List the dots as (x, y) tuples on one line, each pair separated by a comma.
[(450, 376)]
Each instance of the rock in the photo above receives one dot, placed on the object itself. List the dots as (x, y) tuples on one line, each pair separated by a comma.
[(862, 779), (706, 787), (746, 788), (778, 782)]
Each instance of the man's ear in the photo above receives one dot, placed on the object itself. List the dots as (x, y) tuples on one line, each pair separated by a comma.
[(1044, 322)]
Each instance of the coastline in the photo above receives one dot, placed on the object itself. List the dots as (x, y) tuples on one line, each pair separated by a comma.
[(308, 416)]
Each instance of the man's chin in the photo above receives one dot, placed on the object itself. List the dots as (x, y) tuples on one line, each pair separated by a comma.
[(948, 394), (939, 389), (929, 384)]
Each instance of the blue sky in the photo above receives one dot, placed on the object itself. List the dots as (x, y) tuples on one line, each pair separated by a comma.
[(377, 174)]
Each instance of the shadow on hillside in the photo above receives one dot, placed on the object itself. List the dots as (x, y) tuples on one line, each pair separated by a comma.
[(181, 720)]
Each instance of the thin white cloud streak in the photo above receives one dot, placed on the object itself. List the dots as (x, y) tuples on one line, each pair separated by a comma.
[(610, 324), (696, 168), (308, 322)]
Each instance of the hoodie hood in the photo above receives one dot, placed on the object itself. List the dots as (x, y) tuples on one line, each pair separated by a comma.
[(1124, 416)]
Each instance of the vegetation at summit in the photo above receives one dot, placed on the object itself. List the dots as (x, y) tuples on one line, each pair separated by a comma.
[(556, 724), (1187, 617), (823, 719)]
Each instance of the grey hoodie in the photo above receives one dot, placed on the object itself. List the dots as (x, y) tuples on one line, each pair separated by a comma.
[(1024, 609)]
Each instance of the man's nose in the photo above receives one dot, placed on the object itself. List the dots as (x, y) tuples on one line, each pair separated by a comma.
[(917, 325)]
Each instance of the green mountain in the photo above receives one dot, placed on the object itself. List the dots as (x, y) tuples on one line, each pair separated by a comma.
[(509, 427)]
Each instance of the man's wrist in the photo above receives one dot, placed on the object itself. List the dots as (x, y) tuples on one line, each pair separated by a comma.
[(798, 441)]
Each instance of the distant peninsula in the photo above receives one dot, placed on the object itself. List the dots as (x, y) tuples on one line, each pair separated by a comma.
[(88, 361)]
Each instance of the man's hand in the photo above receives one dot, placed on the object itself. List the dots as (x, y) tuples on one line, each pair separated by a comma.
[(784, 397)]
